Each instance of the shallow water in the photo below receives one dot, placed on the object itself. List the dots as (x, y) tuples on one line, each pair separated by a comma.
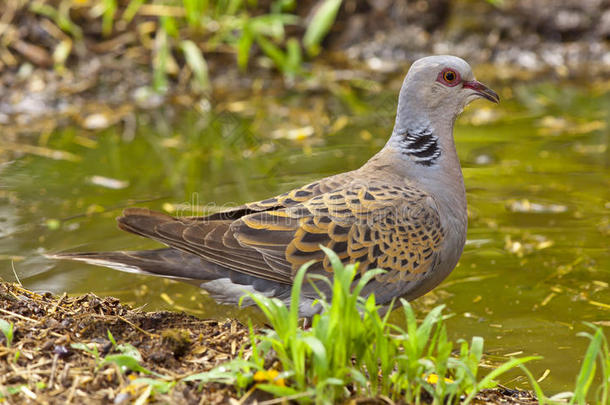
[(537, 172)]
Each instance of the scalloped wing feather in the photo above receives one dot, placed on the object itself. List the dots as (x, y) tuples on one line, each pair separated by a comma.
[(390, 227)]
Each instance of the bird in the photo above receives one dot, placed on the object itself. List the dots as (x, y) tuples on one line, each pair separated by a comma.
[(403, 211)]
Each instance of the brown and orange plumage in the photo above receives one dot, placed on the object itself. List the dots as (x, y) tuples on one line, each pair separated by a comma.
[(404, 211)]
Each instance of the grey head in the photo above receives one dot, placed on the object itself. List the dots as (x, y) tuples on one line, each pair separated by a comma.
[(436, 89), (434, 92)]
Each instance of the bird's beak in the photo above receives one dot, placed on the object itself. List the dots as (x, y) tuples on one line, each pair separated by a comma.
[(483, 91)]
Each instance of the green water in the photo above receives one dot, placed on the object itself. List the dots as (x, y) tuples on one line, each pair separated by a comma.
[(537, 261)]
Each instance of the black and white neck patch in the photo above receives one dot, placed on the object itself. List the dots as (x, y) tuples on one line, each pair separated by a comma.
[(421, 145)]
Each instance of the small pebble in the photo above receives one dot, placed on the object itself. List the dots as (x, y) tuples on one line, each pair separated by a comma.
[(61, 351), (96, 121), (122, 398)]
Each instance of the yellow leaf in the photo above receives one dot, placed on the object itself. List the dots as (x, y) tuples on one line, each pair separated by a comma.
[(270, 376), (433, 379)]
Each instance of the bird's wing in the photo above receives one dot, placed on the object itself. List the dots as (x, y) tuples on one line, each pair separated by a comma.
[(287, 199), (396, 228), (209, 239), (391, 227), (208, 236)]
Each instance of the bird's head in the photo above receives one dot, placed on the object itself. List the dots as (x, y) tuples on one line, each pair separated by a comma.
[(440, 87)]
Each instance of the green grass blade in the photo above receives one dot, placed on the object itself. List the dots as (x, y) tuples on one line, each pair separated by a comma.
[(587, 370), (272, 51), (7, 330), (160, 60), (295, 296), (319, 26), (244, 44), (503, 368), (542, 399), (110, 7), (131, 10), (196, 62)]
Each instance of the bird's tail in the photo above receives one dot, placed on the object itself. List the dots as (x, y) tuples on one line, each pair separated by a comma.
[(166, 262), (224, 285)]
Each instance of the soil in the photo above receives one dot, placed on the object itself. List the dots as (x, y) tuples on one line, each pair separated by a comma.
[(49, 370), (45, 327)]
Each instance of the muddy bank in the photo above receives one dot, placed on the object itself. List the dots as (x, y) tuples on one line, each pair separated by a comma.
[(45, 361), (103, 75), (42, 365)]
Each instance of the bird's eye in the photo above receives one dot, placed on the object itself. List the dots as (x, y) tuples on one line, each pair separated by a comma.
[(449, 77)]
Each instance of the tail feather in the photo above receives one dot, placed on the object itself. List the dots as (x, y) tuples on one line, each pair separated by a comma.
[(224, 285), (166, 262)]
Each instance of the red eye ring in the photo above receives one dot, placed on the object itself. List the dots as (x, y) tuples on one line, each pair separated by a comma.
[(449, 77)]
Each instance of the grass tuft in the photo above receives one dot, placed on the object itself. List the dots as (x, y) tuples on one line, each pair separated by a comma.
[(177, 34), (597, 355), (351, 350)]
